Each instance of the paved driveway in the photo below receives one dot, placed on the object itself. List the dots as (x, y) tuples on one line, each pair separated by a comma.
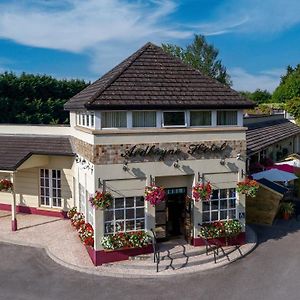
[(272, 271)]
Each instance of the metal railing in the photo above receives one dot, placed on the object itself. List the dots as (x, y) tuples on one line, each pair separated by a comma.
[(156, 252)]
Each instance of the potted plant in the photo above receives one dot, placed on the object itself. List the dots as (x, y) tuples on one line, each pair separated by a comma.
[(202, 191), (154, 194), (86, 234), (287, 209), (248, 187), (5, 185), (77, 220), (71, 212), (101, 200), (126, 240)]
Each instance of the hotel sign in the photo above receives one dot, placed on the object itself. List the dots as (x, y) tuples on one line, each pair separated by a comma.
[(161, 153)]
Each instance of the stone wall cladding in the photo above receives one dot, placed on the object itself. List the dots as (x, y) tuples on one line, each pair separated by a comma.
[(112, 154)]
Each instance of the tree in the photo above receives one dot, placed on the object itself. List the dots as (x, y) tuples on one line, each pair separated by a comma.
[(293, 107), (35, 99), (258, 96), (202, 56), (289, 86)]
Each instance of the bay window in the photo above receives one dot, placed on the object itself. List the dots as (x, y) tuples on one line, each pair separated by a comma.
[(125, 214), (174, 119), (50, 188), (227, 118), (143, 119), (200, 118), (114, 119), (221, 206)]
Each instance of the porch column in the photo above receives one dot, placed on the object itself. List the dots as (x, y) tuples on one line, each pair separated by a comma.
[(14, 225), (197, 208), (149, 209), (98, 224)]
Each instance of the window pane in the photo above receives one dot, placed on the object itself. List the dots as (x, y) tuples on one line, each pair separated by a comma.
[(129, 225), (214, 216), (200, 118), (139, 201), (205, 205), (108, 215), (119, 214), (140, 224), (140, 212), (109, 227), (215, 194), (232, 214), (114, 119), (223, 204), (232, 203), (232, 193), (223, 215), (223, 194), (174, 118), (227, 118), (119, 202), (205, 217), (130, 202), (144, 119), (214, 205), (129, 214)]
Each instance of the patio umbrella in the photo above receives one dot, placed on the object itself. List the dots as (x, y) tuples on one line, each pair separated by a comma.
[(294, 162), (275, 175)]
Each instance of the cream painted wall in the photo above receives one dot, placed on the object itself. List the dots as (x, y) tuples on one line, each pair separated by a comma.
[(27, 183)]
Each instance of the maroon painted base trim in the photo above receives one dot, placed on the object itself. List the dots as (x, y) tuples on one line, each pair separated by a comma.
[(14, 225), (239, 240), (103, 257), (34, 211)]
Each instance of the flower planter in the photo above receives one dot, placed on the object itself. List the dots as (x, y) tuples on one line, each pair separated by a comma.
[(238, 240), (108, 256)]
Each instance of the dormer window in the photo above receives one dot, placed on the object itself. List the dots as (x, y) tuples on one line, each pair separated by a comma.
[(174, 119), (143, 119), (200, 118), (227, 118), (114, 119)]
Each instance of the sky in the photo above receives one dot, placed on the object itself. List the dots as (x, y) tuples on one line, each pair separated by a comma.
[(256, 39)]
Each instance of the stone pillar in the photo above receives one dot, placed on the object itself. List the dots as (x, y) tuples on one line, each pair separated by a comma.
[(14, 226)]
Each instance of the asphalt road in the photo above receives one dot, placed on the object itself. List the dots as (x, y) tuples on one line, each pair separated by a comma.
[(271, 271)]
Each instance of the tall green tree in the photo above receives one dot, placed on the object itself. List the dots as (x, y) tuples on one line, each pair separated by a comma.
[(35, 99), (293, 107), (289, 86), (202, 56), (258, 96)]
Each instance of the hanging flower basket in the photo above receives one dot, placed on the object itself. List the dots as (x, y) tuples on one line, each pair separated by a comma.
[(202, 191), (86, 234), (154, 194), (101, 200), (248, 187), (5, 185)]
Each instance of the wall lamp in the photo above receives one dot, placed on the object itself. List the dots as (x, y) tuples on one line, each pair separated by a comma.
[(125, 166)]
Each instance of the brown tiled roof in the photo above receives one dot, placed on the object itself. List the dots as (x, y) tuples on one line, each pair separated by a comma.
[(263, 134), (15, 149), (150, 78)]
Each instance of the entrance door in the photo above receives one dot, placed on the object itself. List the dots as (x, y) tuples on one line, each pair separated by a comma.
[(171, 214)]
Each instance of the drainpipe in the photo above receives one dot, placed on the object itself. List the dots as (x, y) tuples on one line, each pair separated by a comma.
[(14, 226)]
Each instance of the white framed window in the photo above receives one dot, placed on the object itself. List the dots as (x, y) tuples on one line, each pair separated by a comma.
[(174, 119), (200, 118), (125, 215), (144, 119), (114, 119), (50, 188), (229, 117), (222, 206)]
